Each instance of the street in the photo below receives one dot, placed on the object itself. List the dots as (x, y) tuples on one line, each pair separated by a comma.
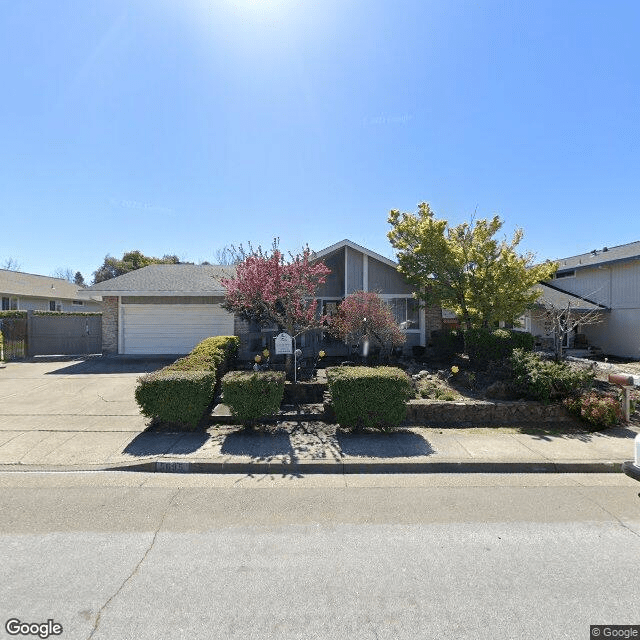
[(125, 555)]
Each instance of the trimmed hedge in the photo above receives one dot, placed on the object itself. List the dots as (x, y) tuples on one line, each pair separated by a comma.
[(252, 395), (181, 392), (180, 397), (484, 346), (369, 397)]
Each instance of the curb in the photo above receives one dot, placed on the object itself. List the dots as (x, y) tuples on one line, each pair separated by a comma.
[(331, 467)]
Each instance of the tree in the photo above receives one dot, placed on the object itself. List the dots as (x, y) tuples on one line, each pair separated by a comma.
[(78, 279), (268, 289), (364, 317), (132, 260), (561, 319), (63, 274), (11, 264), (465, 268)]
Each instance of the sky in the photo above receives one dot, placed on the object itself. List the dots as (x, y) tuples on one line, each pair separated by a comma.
[(183, 126)]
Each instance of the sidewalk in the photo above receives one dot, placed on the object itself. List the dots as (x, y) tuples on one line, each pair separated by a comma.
[(294, 448)]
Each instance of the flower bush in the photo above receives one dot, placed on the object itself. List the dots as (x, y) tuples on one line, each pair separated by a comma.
[(600, 411)]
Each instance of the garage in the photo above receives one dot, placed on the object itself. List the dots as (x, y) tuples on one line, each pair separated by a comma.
[(171, 328)]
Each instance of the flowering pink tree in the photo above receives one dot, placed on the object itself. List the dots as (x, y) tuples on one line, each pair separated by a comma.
[(364, 316), (269, 289)]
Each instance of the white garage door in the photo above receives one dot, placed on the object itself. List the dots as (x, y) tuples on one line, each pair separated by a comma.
[(171, 328)]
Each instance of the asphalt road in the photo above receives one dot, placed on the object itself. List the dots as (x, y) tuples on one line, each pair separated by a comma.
[(125, 555)]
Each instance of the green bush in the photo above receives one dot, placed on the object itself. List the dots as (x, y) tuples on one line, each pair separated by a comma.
[(484, 346), (13, 314), (252, 395), (447, 344), (600, 411), (179, 397), (181, 392), (544, 379), (369, 397)]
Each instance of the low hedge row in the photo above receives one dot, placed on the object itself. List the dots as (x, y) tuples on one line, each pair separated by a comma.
[(252, 395), (181, 392), (484, 346), (369, 397)]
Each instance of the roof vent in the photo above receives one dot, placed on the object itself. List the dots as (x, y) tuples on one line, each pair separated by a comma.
[(605, 249), (595, 252)]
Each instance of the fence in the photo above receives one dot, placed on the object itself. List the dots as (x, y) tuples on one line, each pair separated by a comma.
[(31, 333)]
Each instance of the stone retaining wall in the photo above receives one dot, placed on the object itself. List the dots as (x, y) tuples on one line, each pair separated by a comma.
[(435, 412)]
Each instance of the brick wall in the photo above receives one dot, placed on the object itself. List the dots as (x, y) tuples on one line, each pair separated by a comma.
[(109, 324), (432, 320)]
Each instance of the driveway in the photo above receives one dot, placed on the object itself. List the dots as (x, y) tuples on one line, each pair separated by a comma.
[(50, 408)]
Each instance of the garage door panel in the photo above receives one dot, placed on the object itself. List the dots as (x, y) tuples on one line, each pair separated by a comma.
[(154, 328)]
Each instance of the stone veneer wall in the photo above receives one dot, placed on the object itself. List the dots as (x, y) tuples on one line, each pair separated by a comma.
[(432, 320), (479, 413), (109, 325)]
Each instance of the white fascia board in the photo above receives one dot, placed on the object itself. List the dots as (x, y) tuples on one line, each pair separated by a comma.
[(355, 247)]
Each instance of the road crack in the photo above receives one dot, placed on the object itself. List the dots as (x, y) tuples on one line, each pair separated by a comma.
[(136, 568)]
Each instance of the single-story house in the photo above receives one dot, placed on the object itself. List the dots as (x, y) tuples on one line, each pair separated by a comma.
[(30, 292), (608, 278), (168, 309)]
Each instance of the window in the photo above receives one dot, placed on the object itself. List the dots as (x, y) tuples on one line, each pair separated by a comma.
[(406, 313), (52, 305), (565, 274), (5, 304), (78, 303), (9, 304)]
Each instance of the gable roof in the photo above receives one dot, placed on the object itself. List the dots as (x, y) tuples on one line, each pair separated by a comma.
[(173, 279), (623, 252), (355, 247), (18, 283)]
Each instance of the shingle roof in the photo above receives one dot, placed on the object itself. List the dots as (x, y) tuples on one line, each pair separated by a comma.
[(30, 284), (174, 278), (561, 299), (600, 256)]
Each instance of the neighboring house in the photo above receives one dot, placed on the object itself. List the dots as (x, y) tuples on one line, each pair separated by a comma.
[(610, 279), (168, 309), (29, 292)]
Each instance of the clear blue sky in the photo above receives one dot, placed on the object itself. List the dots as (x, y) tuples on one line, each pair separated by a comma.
[(180, 126)]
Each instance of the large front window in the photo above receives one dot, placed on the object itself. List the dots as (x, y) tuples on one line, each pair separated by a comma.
[(406, 313)]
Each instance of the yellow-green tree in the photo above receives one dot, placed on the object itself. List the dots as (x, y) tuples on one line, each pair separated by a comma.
[(465, 268)]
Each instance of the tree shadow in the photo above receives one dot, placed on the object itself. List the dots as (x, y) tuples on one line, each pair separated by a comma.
[(575, 432), (157, 444), (397, 444), (261, 445)]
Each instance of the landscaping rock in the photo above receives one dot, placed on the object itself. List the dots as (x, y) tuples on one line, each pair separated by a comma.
[(499, 391)]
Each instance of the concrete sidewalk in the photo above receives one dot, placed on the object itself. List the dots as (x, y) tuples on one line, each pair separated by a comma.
[(307, 447), (81, 414)]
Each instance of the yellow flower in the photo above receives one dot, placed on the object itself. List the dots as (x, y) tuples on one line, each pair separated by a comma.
[(258, 358), (321, 354), (454, 369), (265, 353)]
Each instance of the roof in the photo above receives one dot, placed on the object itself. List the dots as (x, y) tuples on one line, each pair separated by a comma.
[(29, 284), (355, 247), (623, 252), (167, 279), (559, 299)]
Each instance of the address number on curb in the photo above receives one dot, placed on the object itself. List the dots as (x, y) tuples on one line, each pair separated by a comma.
[(173, 467)]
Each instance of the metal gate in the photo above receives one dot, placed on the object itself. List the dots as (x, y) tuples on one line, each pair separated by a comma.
[(64, 334)]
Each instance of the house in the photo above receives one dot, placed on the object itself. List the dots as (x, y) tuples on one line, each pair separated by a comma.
[(609, 279), (30, 292), (168, 309)]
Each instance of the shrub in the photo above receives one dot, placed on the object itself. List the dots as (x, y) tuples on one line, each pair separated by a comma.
[(179, 397), (252, 395), (543, 379), (434, 390), (597, 410), (447, 344), (181, 392), (369, 397), (484, 346)]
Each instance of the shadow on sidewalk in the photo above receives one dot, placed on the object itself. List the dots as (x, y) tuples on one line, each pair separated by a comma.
[(108, 364), (156, 444), (553, 433), (398, 444), (260, 445)]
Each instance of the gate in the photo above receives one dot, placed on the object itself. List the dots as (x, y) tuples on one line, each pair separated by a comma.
[(69, 335)]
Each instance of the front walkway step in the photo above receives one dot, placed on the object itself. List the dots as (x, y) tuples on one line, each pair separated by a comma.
[(221, 414)]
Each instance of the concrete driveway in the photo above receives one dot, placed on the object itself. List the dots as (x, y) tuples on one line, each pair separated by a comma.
[(50, 409)]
